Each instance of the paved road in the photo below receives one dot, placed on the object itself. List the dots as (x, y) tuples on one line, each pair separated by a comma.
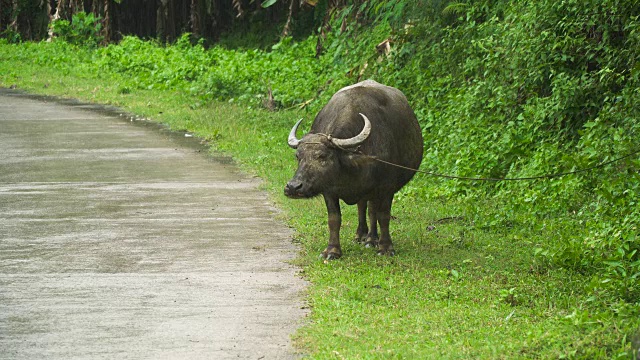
[(123, 241)]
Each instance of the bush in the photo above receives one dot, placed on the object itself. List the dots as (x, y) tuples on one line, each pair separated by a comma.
[(83, 30), (11, 36), (539, 87)]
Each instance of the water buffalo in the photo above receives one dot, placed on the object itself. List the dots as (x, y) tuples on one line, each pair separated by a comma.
[(335, 159)]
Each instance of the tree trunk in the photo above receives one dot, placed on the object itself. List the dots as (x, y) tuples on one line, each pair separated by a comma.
[(53, 18), (76, 6), (13, 25), (237, 4), (63, 9), (107, 23), (161, 20), (95, 7), (293, 10), (195, 18), (171, 21)]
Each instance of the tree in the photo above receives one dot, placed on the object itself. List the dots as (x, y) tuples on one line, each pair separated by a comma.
[(160, 19)]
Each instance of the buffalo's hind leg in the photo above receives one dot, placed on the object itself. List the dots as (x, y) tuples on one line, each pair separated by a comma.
[(385, 246), (372, 237), (363, 229)]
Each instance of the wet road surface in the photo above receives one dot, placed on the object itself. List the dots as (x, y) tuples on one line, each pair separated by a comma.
[(123, 241)]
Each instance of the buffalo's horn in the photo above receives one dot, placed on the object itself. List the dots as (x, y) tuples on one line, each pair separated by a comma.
[(356, 140), (293, 140)]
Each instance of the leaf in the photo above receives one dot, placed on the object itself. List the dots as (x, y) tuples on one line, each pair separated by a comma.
[(268, 3), (616, 264), (455, 274), (510, 315), (455, 8)]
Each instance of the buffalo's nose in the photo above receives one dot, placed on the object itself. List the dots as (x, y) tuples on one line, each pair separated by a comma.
[(292, 188)]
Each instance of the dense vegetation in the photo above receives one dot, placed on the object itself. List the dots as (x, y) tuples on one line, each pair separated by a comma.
[(162, 19), (501, 89)]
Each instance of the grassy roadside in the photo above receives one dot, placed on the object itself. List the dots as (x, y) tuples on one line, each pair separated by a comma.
[(454, 290)]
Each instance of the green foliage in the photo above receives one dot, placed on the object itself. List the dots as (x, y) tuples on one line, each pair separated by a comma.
[(219, 73), (83, 29), (10, 36), (527, 110), (149, 65), (527, 89)]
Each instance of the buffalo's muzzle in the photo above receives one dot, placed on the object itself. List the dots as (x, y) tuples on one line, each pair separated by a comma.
[(293, 189)]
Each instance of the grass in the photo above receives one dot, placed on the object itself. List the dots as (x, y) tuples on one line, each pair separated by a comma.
[(454, 290)]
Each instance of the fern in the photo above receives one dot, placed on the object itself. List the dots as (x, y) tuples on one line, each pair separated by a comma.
[(455, 8)]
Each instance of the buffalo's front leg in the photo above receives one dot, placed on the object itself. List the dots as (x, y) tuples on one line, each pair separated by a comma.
[(333, 250)]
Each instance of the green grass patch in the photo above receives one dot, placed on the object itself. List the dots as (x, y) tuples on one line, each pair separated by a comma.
[(475, 275)]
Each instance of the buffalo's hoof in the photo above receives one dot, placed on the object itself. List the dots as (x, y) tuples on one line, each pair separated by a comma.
[(370, 242), (386, 252), (331, 253), (361, 239)]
